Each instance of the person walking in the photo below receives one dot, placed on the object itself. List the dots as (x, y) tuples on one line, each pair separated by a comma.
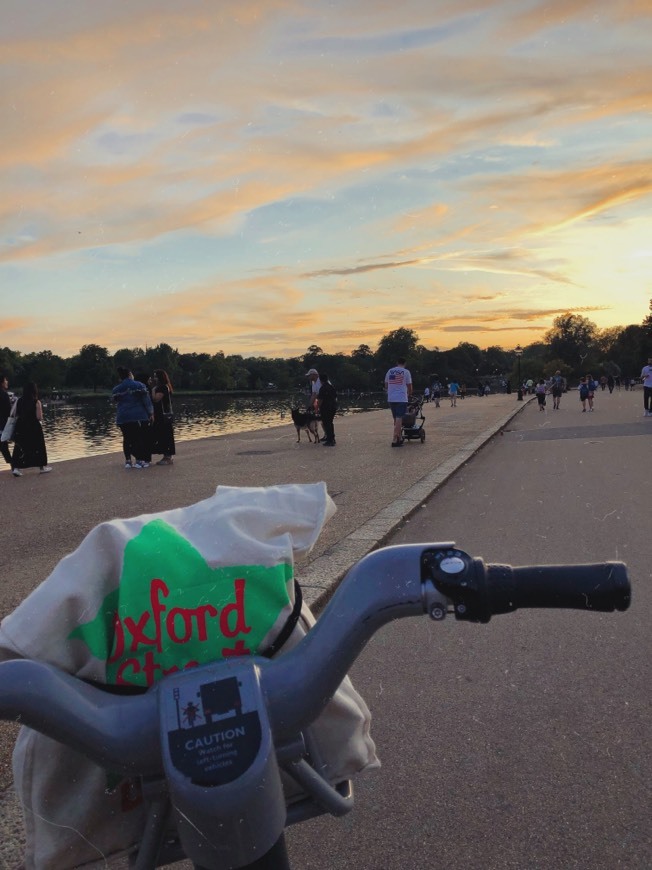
[(584, 393), (134, 413), (593, 386), (557, 389), (646, 376), (5, 411), (163, 426), (29, 442), (453, 391), (327, 406), (540, 393), (398, 383), (435, 390)]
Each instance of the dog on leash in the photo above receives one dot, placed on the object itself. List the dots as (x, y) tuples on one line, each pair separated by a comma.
[(307, 422)]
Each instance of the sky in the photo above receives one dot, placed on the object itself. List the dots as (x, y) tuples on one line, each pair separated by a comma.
[(259, 176)]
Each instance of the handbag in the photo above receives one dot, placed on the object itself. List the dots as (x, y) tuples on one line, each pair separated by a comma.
[(10, 427), (169, 414)]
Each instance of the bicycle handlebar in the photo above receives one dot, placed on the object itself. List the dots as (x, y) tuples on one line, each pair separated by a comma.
[(602, 587), (277, 699), (481, 591), (387, 584), (94, 722)]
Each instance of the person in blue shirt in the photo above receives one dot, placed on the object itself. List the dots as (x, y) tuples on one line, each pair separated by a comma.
[(134, 415)]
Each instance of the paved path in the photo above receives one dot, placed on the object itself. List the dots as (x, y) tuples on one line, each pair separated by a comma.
[(524, 743)]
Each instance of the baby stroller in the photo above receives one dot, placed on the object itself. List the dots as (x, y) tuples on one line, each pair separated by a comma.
[(413, 421)]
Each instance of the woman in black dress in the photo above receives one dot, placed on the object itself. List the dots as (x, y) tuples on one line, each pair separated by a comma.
[(29, 443), (163, 433)]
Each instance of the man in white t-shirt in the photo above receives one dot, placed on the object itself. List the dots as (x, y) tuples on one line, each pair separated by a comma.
[(646, 374), (398, 383), (315, 386)]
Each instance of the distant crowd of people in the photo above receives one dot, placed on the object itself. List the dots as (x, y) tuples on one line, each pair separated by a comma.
[(145, 417), (588, 387)]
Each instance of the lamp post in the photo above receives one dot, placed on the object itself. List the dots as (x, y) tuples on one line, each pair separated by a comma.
[(518, 350)]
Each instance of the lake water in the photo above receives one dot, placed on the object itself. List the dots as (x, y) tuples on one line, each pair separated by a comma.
[(87, 428)]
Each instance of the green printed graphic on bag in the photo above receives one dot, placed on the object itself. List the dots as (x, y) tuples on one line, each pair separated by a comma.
[(172, 610)]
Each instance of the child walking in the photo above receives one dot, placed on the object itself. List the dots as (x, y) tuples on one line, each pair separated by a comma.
[(540, 392), (584, 393)]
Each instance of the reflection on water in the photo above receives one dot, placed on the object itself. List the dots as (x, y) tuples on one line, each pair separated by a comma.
[(88, 427)]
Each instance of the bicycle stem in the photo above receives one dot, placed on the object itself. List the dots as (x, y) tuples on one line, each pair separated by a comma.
[(383, 586)]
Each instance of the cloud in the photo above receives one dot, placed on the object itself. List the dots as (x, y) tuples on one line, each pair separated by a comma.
[(9, 325), (367, 267), (414, 219), (264, 159), (467, 328)]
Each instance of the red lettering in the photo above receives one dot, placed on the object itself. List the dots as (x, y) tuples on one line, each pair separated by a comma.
[(238, 608), (201, 613), (120, 679), (137, 631), (238, 650), (150, 668), (176, 625), (158, 608), (186, 617)]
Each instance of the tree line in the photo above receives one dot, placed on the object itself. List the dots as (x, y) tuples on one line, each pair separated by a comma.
[(574, 345)]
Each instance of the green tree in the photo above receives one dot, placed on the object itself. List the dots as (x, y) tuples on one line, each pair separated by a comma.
[(44, 368), (162, 356), (647, 326), (362, 354), (240, 373), (571, 339), (630, 350), (557, 365), (91, 367), (10, 361), (351, 377), (532, 364), (364, 360), (215, 373), (312, 357), (401, 342), (189, 367), (463, 363), (495, 361), (129, 358)]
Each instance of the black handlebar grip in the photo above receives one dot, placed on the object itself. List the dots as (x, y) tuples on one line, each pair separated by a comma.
[(602, 587)]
